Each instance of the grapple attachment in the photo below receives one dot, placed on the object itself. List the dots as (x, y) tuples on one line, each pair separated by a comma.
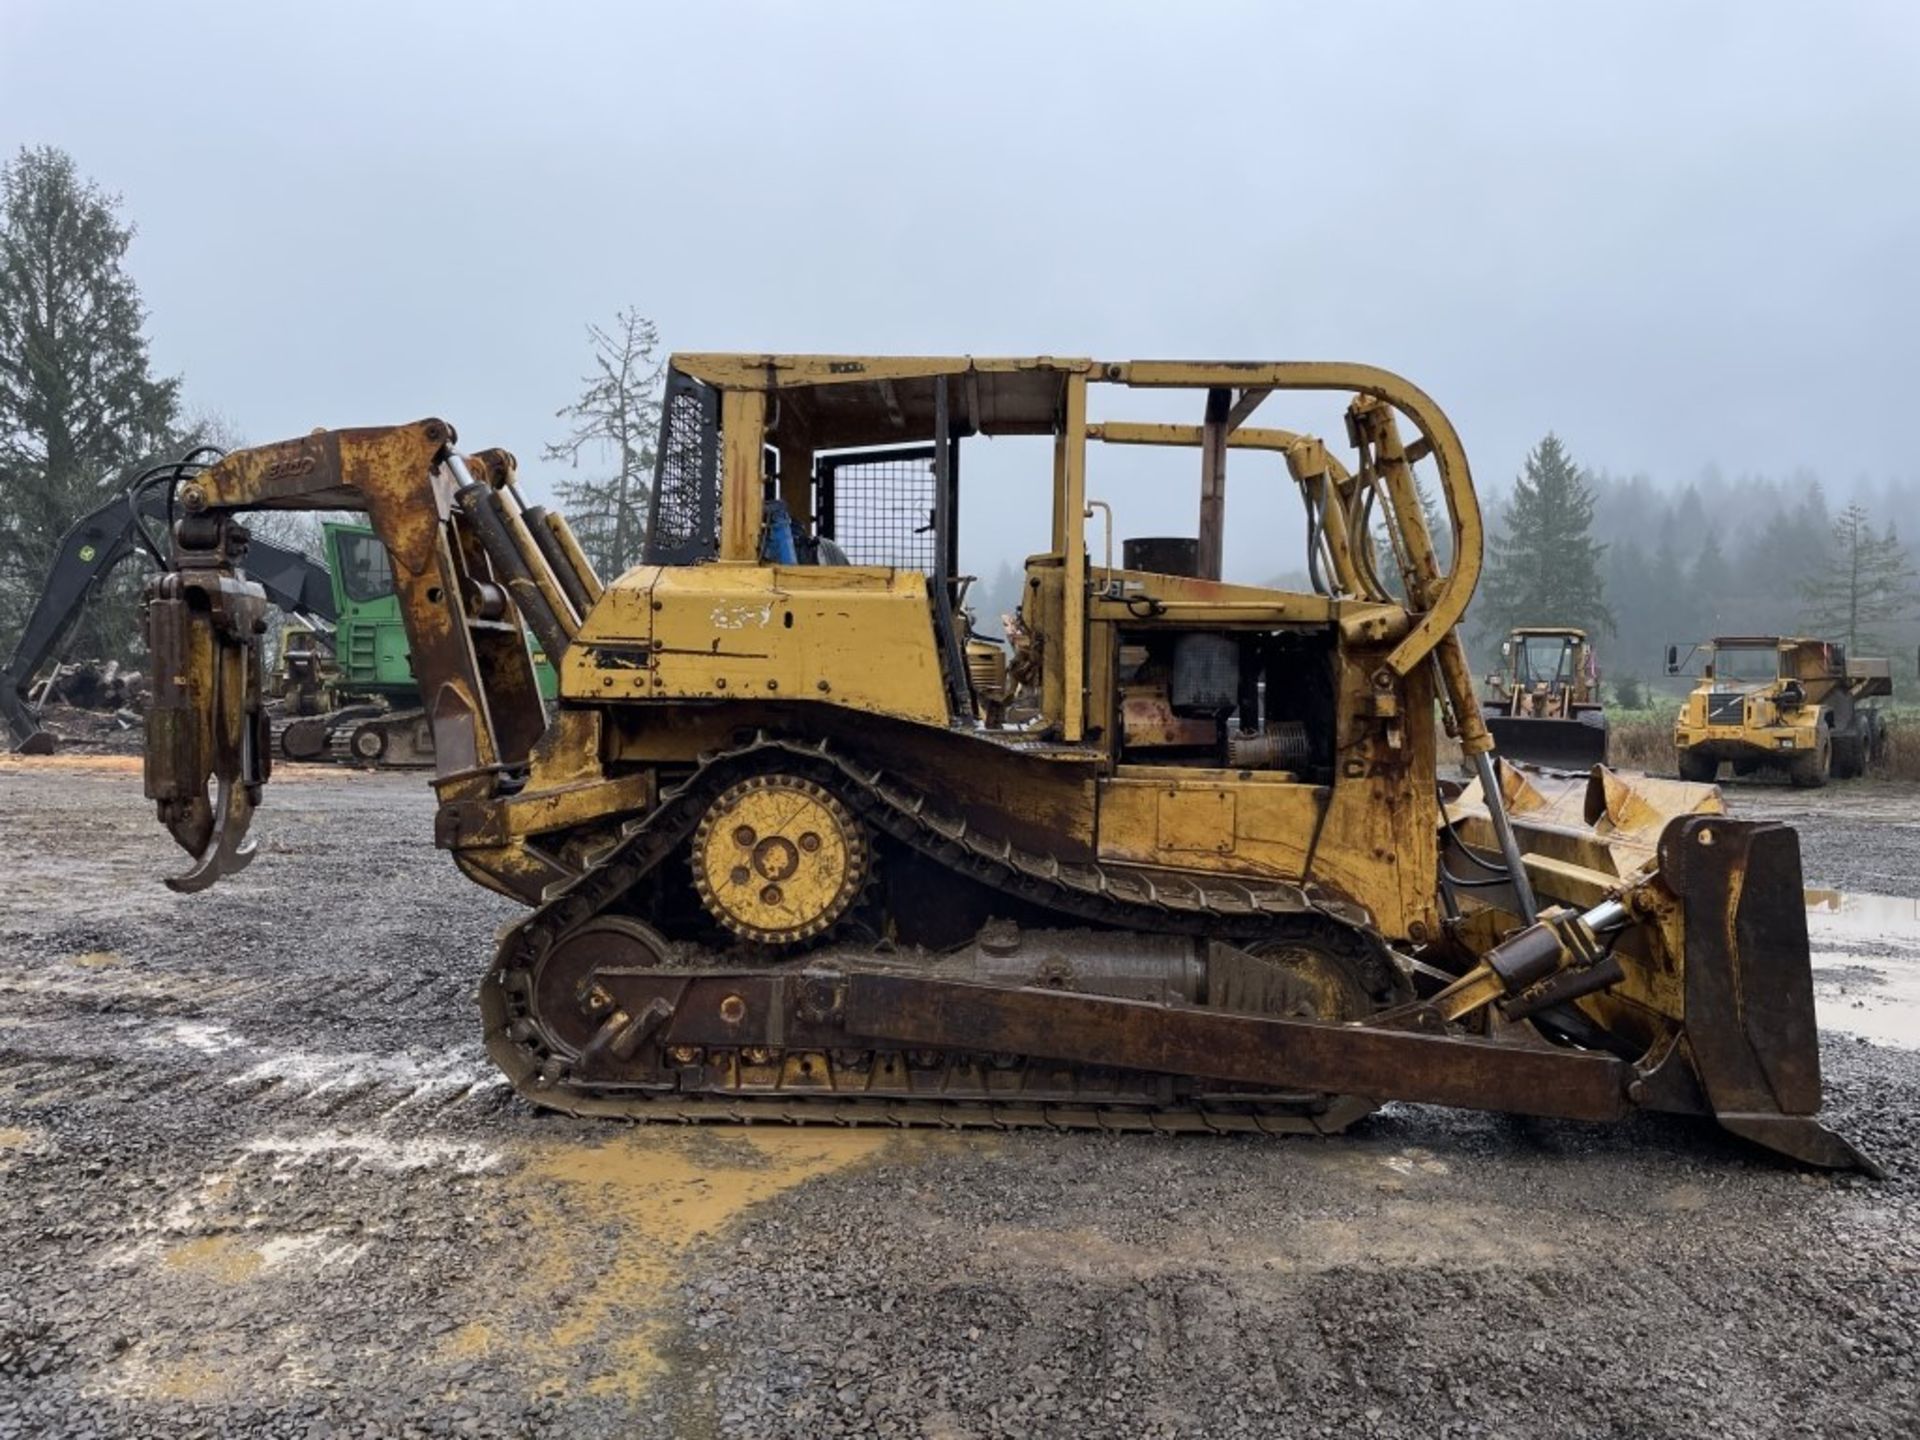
[(207, 750)]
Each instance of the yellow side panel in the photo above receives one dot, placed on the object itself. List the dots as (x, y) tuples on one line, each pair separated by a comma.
[(854, 636), (1194, 819), (1220, 822)]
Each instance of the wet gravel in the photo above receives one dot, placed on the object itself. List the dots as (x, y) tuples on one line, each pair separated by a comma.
[(257, 1179), (1856, 835)]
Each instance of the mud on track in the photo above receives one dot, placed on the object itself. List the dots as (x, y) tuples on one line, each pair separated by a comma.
[(257, 1178)]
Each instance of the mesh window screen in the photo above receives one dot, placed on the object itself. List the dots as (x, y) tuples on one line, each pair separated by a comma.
[(878, 506), (682, 526)]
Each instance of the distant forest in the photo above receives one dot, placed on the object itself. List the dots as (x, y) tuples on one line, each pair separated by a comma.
[(1733, 555)]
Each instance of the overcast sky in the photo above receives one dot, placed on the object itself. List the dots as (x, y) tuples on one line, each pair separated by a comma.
[(1677, 234)]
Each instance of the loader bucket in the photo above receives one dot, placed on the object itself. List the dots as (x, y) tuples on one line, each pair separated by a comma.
[(1553, 743)]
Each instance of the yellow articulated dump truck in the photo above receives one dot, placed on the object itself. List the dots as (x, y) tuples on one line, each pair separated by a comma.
[(796, 843), (1769, 701)]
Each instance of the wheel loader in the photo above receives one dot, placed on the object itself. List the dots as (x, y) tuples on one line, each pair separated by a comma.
[(796, 843), (1783, 703), (1544, 708)]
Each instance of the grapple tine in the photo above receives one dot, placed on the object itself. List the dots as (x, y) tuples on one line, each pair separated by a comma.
[(205, 727), (231, 849)]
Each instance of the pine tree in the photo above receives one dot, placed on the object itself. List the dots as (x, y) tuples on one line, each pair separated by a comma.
[(1439, 530), (616, 418), (1710, 587), (1543, 564), (79, 406), (1869, 583), (1640, 616)]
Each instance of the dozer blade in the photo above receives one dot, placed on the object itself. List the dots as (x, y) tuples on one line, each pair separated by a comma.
[(206, 726), (1749, 1024), (1553, 743), (1713, 993)]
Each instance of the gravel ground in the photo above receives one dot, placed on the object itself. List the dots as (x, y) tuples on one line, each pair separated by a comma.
[(1863, 835), (258, 1179)]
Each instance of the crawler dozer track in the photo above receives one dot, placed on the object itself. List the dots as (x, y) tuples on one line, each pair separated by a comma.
[(529, 1009)]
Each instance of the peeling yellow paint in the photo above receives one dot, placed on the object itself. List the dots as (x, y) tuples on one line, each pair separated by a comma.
[(188, 1379), (650, 1197), (221, 1257)]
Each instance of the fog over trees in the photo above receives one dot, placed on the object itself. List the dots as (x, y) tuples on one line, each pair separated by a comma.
[(1746, 554), (1640, 560)]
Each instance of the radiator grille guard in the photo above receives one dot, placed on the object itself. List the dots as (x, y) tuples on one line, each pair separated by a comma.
[(1725, 707)]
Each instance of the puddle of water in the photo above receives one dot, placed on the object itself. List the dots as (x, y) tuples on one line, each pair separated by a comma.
[(1894, 913), (1883, 1004), (316, 1251), (652, 1196)]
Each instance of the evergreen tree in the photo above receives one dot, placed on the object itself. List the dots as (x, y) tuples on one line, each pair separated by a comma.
[(1439, 530), (1543, 564), (1710, 587), (1870, 583), (615, 419), (1640, 613), (79, 405), (991, 599)]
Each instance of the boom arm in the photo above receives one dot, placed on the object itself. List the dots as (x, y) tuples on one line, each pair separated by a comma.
[(467, 568), (96, 545)]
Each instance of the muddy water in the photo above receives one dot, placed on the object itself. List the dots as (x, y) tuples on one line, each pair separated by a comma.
[(1866, 964)]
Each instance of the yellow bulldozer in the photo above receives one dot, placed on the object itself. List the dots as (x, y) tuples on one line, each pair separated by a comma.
[(797, 843)]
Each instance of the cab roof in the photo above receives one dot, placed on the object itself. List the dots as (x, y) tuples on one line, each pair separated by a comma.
[(843, 401)]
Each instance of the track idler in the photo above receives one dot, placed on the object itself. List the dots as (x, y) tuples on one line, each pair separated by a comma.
[(208, 751)]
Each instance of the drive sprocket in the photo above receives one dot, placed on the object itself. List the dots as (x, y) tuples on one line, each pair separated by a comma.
[(777, 859)]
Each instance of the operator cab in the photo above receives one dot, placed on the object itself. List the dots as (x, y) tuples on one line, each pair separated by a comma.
[(1154, 661)]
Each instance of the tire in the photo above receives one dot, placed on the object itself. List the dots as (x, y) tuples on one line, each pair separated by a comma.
[(1812, 770), (1849, 757), (1697, 767)]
